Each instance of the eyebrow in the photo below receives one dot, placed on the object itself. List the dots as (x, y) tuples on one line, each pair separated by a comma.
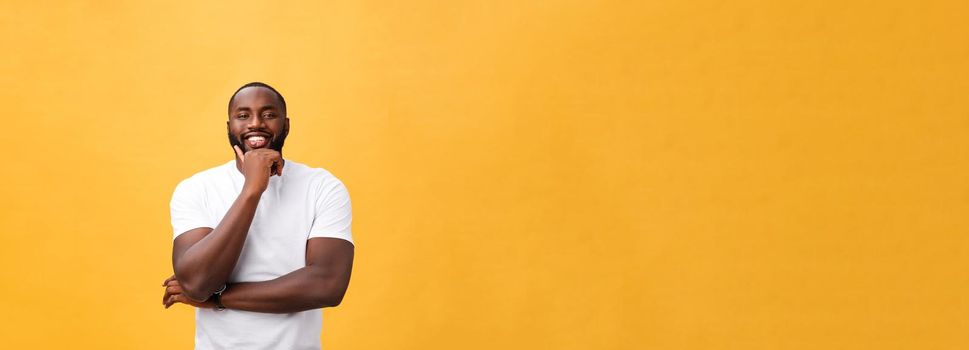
[(264, 108)]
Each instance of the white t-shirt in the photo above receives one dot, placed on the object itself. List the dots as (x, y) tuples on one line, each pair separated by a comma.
[(304, 203)]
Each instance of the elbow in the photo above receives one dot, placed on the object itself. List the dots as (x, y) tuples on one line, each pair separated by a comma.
[(328, 300), (327, 287), (329, 297), (191, 287), (192, 291), (332, 303), (334, 300)]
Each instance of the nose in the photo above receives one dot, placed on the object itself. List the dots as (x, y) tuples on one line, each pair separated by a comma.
[(255, 123)]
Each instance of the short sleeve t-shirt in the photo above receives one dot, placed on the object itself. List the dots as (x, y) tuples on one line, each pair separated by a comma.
[(303, 203)]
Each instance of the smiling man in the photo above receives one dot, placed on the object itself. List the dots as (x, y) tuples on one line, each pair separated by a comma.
[(262, 243)]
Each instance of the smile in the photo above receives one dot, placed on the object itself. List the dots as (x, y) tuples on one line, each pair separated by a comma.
[(255, 141)]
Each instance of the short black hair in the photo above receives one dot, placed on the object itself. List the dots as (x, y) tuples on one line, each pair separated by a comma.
[(282, 100)]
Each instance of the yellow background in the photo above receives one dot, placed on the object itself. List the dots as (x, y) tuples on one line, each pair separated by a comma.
[(525, 175)]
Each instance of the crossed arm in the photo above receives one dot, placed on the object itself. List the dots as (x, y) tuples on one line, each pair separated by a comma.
[(321, 283)]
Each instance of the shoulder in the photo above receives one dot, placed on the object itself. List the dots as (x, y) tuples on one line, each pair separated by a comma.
[(318, 176), (201, 179), (318, 179)]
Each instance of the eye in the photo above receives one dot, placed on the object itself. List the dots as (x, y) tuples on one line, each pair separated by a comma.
[(242, 116), (269, 115)]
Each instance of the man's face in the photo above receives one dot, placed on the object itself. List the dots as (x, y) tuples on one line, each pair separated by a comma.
[(257, 120)]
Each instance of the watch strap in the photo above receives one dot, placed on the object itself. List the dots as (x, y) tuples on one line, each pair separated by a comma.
[(217, 296)]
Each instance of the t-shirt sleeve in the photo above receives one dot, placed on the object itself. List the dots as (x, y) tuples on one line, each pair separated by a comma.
[(333, 214), (188, 208)]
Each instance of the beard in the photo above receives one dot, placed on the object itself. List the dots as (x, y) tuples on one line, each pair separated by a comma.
[(276, 143)]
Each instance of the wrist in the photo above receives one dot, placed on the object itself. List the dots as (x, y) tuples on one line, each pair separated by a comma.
[(217, 298), (248, 192)]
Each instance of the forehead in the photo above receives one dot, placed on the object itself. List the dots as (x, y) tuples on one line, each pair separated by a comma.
[(255, 97)]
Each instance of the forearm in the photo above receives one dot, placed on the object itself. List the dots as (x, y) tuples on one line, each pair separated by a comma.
[(311, 287), (207, 264)]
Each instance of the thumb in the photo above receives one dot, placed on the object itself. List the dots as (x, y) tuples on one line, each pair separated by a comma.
[(242, 157)]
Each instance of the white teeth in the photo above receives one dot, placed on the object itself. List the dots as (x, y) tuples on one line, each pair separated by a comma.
[(256, 138)]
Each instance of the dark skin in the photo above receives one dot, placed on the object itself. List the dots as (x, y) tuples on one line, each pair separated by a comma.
[(203, 258)]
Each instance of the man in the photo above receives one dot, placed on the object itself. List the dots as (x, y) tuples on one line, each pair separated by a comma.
[(262, 243)]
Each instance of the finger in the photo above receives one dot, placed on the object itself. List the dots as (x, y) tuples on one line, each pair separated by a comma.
[(168, 280), (239, 153), (170, 301), (176, 298), (176, 289), (277, 163), (168, 296), (172, 291)]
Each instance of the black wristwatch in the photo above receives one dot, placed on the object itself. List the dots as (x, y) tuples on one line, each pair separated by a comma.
[(217, 296)]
